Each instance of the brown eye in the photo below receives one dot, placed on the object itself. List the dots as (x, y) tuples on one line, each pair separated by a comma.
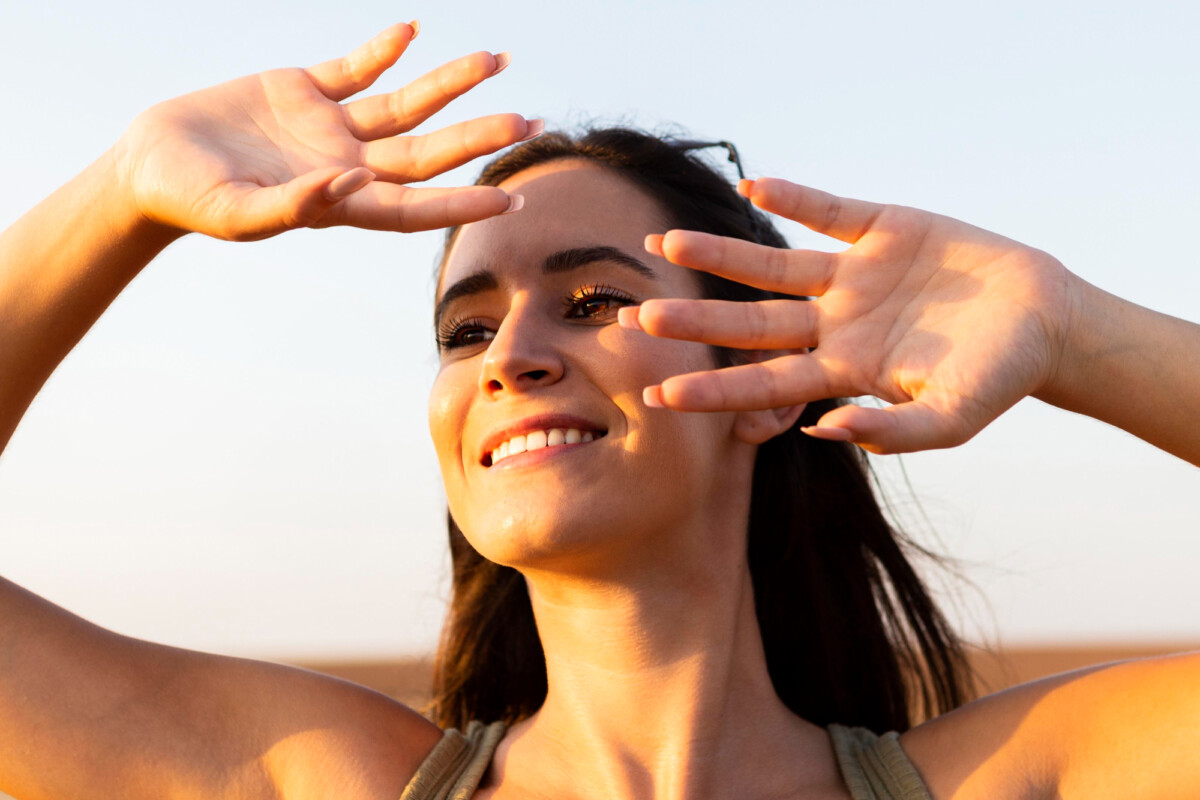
[(596, 301), (463, 333)]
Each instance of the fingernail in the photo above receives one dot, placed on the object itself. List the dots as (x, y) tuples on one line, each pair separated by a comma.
[(515, 203), (416, 26), (627, 317), (652, 396), (348, 183), (744, 186), (502, 61), (831, 433), (653, 244), (533, 127)]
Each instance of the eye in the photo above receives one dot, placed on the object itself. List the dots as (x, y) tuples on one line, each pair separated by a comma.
[(596, 302), (455, 333)]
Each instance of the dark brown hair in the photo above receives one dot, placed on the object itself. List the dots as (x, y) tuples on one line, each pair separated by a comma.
[(850, 632)]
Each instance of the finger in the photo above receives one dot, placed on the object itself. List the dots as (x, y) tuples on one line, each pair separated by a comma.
[(403, 159), (342, 77), (839, 217), (247, 212), (784, 381), (763, 325), (405, 109), (901, 428), (388, 207), (799, 272)]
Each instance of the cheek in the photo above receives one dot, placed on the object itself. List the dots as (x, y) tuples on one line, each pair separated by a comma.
[(449, 400), (633, 353), (628, 362)]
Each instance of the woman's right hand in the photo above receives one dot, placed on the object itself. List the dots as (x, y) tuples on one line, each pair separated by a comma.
[(266, 153)]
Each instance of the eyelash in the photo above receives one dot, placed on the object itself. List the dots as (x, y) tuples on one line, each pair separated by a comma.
[(450, 333)]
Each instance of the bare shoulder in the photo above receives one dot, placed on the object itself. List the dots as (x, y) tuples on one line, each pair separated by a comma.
[(1094, 732), (308, 735), (85, 712)]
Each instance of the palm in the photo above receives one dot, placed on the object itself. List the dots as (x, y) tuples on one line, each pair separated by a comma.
[(911, 315), (949, 322), (247, 159), (262, 130)]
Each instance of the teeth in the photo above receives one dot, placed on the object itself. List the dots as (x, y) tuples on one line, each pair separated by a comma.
[(536, 440)]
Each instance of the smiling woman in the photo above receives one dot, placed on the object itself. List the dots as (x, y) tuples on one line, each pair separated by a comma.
[(657, 483), (671, 577)]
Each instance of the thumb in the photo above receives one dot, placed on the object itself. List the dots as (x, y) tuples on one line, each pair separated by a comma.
[(901, 428), (258, 212)]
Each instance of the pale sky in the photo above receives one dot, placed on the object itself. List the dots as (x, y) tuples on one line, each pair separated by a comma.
[(236, 458)]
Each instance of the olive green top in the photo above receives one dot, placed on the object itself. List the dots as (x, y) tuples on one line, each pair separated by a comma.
[(874, 767)]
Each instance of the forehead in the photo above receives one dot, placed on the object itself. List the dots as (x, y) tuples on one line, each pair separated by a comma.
[(568, 203)]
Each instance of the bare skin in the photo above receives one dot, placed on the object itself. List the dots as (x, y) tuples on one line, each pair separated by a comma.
[(658, 682), (658, 686), (951, 323), (85, 713)]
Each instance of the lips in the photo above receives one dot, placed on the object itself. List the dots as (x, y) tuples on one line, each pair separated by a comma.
[(536, 433)]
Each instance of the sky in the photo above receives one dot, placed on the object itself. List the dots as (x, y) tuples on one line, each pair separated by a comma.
[(236, 457)]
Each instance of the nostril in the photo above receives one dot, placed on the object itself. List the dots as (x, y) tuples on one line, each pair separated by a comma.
[(536, 374)]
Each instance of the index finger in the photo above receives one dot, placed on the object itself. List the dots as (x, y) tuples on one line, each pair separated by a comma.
[(840, 217), (797, 272), (339, 78)]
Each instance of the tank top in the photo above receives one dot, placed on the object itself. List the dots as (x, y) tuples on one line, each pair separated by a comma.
[(873, 767)]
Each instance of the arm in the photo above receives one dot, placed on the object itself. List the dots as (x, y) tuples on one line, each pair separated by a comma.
[(85, 713), (949, 323), (953, 325), (245, 160), (1124, 729), (61, 265), (1133, 368)]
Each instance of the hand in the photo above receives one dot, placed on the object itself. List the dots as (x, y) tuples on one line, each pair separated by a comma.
[(266, 153), (950, 323)]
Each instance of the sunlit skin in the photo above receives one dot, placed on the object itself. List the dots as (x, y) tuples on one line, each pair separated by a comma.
[(950, 323), (547, 348), (633, 544)]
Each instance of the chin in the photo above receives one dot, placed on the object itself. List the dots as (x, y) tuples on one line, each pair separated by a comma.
[(544, 539), (598, 539)]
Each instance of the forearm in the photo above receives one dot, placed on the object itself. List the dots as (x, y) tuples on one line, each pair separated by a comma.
[(61, 265), (1133, 368)]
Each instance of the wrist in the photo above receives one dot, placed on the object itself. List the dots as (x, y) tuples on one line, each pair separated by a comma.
[(129, 220), (1073, 338)]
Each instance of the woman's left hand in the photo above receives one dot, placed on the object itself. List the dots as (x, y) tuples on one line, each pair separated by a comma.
[(949, 323)]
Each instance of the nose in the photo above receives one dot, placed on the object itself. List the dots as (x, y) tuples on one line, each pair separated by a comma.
[(521, 356)]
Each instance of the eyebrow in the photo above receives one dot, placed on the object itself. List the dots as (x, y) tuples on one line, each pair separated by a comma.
[(555, 263)]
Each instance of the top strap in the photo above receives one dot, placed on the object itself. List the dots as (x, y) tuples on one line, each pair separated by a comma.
[(453, 769), (876, 767)]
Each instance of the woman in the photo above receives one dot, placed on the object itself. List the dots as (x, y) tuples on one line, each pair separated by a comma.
[(631, 540)]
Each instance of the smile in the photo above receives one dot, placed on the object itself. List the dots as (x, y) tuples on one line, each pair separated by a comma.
[(538, 440)]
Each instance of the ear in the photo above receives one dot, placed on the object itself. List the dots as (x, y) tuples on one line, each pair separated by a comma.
[(756, 427)]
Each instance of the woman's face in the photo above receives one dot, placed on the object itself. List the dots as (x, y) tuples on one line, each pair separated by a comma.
[(546, 449)]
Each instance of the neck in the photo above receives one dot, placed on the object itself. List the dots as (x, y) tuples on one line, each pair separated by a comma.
[(658, 684)]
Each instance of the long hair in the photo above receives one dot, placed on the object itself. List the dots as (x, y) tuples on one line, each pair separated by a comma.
[(850, 632)]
